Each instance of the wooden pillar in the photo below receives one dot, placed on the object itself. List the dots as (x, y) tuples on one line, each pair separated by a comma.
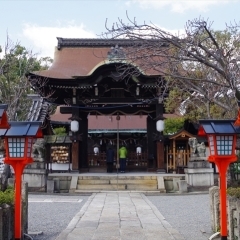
[(75, 145), (160, 141), (160, 155), (83, 145), (151, 147), (75, 156), (174, 154)]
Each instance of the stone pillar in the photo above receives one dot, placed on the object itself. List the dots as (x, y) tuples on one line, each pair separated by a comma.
[(24, 207), (214, 208)]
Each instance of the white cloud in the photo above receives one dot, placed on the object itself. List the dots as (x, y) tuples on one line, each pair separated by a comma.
[(176, 32), (180, 6), (44, 38)]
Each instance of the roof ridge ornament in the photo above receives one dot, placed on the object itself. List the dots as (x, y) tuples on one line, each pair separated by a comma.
[(116, 53)]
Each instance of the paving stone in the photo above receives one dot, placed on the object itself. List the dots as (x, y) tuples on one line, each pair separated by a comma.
[(121, 216), (109, 224), (84, 224), (81, 233), (130, 223)]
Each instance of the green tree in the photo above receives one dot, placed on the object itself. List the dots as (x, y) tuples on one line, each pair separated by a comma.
[(16, 62), (193, 106), (173, 125), (60, 131)]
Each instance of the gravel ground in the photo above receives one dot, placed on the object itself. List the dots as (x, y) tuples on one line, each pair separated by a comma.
[(51, 218), (189, 214)]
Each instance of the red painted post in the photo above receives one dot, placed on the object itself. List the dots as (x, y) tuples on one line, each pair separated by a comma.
[(18, 204), (18, 166), (222, 164), (222, 167)]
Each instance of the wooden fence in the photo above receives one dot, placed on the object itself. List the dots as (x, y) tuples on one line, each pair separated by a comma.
[(174, 161), (134, 160), (178, 160)]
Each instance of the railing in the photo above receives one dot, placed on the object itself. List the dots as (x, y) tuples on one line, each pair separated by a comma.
[(177, 160), (134, 160), (97, 160)]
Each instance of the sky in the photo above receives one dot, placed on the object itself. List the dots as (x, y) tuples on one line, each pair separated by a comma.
[(36, 24)]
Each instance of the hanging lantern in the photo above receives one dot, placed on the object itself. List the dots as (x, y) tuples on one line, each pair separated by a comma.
[(160, 125), (96, 150), (74, 126), (139, 150)]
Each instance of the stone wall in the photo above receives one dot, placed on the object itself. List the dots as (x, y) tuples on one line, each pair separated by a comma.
[(61, 184), (36, 176), (233, 211)]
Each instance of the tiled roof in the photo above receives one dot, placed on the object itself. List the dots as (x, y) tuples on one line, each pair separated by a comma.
[(79, 58), (77, 42), (39, 109)]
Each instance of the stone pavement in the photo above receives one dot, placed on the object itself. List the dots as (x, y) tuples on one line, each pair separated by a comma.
[(119, 216)]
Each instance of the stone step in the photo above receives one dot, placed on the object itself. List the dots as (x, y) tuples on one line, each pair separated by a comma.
[(109, 187), (116, 181), (89, 192), (93, 181), (149, 187), (146, 187), (113, 183), (134, 181), (110, 177)]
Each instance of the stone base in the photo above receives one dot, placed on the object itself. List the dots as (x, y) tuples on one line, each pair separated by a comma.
[(199, 164), (182, 186), (196, 158), (36, 165), (36, 178), (199, 176)]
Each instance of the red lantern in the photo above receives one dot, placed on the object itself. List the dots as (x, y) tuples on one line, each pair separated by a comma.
[(18, 142), (221, 136)]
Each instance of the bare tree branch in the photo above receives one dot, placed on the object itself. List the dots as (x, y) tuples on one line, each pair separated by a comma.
[(201, 61)]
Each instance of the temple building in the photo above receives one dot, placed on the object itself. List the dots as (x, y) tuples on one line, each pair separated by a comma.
[(87, 84)]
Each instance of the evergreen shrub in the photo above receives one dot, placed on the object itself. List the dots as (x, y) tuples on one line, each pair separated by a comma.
[(7, 196), (234, 192)]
